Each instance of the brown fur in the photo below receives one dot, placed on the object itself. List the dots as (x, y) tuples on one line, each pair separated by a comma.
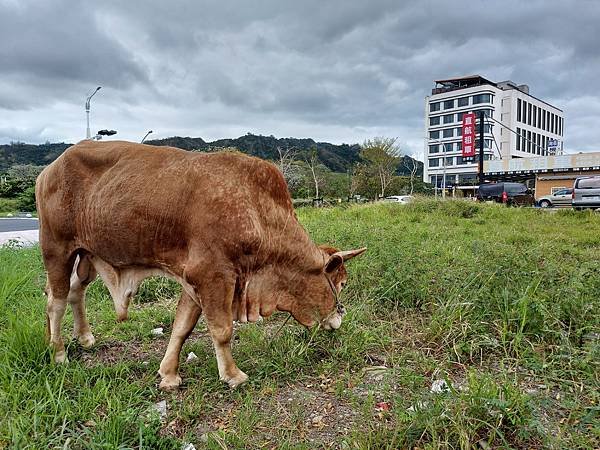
[(221, 224)]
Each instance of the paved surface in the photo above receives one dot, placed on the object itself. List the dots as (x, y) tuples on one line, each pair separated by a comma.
[(24, 231), (16, 224)]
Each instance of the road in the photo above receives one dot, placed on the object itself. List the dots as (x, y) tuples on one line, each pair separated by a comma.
[(24, 231)]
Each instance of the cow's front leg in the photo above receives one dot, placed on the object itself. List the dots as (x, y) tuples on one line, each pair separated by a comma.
[(186, 318), (217, 301)]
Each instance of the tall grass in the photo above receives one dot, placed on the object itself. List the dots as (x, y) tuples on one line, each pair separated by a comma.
[(502, 303)]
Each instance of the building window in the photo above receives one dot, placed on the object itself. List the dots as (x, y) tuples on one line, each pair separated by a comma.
[(459, 131), (528, 141), (467, 179), (518, 110), (459, 146), (459, 116), (448, 132), (434, 134), (547, 121), (528, 113), (539, 117), (435, 148), (434, 120), (449, 104), (534, 119), (518, 139), (449, 118), (487, 128), (543, 119), (434, 106), (482, 98), (544, 143), (562, 124), (434, 162), (487, 143), (449, 161), (463, 101)]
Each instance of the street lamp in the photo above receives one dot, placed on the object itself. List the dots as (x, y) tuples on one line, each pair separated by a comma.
[(88, 134), (144, 138)]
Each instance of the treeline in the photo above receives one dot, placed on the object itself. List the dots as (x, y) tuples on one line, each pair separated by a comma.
[(375, 175), (312, 169), (337, 158)]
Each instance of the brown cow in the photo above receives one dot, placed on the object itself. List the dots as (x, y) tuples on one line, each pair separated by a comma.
[(220, 224)]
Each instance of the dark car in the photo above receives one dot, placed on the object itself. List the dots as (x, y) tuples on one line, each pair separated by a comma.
[(511, 194)]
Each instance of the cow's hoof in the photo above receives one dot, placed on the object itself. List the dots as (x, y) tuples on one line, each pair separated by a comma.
[(87, 340), (170, 383), (236, 381), (60, 357)]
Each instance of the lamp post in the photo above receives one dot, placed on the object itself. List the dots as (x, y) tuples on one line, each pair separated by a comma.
[(144, 138), (88, 134)]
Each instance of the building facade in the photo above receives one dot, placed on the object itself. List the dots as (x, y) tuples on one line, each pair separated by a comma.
[(517, 125)]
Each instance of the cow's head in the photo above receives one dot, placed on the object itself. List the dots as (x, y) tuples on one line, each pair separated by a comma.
[(320, 297)]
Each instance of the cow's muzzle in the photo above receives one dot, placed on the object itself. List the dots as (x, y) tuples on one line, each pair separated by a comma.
[(334, 320)]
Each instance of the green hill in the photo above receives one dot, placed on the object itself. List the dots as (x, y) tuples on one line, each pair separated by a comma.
[(337, 158)]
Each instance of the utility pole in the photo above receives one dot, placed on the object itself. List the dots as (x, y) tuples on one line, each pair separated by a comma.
[(481, 145)]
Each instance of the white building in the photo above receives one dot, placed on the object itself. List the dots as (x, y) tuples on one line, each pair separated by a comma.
[(530, 126)]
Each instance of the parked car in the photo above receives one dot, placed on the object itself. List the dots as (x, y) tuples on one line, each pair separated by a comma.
[(511, 194), (586, 192), (403, 199), (561, 197)]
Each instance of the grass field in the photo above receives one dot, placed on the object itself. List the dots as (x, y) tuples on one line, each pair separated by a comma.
[(499, 308)]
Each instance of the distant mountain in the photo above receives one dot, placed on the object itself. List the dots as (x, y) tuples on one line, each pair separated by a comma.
[(338, 158)]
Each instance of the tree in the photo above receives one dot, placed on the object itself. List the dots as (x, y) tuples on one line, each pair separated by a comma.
[(382, 156), (26, 200), (288, 166), (412, 167), (18, 178), (315, 171)]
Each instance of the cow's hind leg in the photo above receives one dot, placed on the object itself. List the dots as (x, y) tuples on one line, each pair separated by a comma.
[(217, 298), (186, 318), (83, 274), (59, 268)]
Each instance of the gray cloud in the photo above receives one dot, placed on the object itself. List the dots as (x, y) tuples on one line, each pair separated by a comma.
[(339, 71)]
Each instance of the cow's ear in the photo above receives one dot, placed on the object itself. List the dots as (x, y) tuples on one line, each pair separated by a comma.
[(334, 263), (349, 254)]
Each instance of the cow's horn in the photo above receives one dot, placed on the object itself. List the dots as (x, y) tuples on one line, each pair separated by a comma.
[(349, 254)]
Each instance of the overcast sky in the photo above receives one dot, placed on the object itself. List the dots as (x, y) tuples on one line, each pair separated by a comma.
[(336, 71)]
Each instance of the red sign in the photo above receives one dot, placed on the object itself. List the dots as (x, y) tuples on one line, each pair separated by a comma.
[(468, 135)]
